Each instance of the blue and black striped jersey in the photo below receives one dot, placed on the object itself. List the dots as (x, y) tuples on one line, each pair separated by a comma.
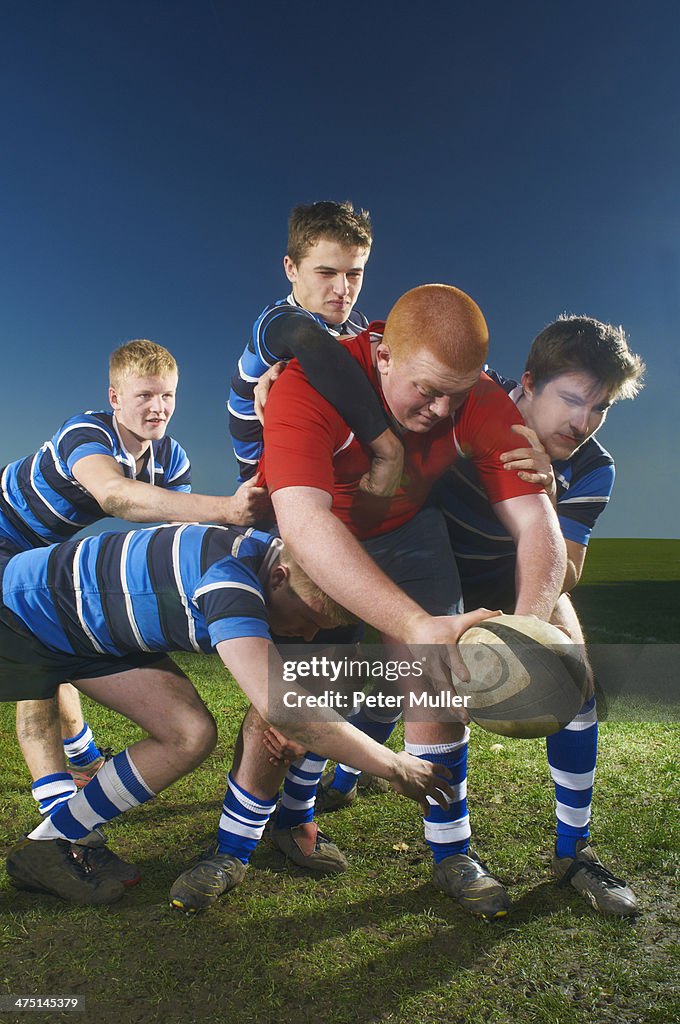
[(182, 587), (258, 356), (41, 502), (484, 551)]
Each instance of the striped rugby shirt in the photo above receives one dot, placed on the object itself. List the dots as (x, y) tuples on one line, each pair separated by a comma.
[(181, 587), (258, 356), (41, 502), (483, 550)]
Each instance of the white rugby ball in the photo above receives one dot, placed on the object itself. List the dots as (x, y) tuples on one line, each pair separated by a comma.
[(527, 678)]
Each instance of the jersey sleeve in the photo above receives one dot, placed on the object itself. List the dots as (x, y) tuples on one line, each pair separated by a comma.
[(302, 432), (178, 472), (331, 371), (483, 433), (81, 436), (585, 500), (231, 600)]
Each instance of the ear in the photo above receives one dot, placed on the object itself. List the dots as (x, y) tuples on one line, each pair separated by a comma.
[(290, 269), (113, 398), (528, 385), (278, 577), (383, 358)]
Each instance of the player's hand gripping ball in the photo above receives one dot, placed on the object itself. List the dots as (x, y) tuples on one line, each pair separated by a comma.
[(527, 678)]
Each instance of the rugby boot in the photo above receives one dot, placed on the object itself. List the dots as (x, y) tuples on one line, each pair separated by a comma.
[(466, 879), (606, 893), (200, 886), (308, 847), (95, 856), (84, 773), (48, 866), (328, 798)]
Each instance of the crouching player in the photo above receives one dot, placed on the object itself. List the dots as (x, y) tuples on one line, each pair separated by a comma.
[(103, 612), (119, 463)]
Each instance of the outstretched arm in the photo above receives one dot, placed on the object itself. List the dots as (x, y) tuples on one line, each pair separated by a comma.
[(139, 502), (257, 668)]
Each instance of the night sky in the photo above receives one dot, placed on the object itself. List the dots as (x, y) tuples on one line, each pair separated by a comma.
[(151, 151)]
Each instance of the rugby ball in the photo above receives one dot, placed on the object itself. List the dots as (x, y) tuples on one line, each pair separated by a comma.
[(527, 678)]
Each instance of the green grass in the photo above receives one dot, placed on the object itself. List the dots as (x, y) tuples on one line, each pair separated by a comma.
[(378, 944)]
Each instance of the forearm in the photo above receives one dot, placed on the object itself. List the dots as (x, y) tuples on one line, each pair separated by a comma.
[(138, 502), (337, 563), (540, 569)]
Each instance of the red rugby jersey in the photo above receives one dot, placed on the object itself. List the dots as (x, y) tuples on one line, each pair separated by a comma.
[(308, 444)]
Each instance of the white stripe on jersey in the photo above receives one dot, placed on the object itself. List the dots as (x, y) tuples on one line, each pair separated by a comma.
[(88, 426), (128, 599), (49, 447), (345, 444), (242, 415), (582, 501), (42, 498), (78, 594), (182, 469), (191, 625), (275, 549), (245, 376), (225, 585)]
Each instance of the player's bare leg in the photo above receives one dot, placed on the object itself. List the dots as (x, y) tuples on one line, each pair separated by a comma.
[(181, 733)]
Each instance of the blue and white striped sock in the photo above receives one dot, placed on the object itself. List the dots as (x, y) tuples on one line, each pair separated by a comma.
[(572, 755), (379, 730), (243, 821), (82, 749), (116, 787), (299, 791), (52, 790), (447, 832)]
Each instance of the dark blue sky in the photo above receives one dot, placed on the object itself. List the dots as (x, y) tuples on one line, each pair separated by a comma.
[(151, 151)]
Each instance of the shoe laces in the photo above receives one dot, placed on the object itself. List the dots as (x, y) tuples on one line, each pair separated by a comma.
[(593, 868), (82, 858)]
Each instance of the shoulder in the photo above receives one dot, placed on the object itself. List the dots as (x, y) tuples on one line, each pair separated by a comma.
[(507, 383), (87, 427)]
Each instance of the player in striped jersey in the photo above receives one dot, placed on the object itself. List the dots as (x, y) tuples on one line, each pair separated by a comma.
[(328, 247), (104, 611), (118, 463), (576, 369)]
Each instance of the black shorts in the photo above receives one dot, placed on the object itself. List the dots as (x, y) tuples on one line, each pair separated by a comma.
[(30, 671)]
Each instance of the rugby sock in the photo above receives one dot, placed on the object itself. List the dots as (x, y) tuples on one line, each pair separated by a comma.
[(243, 821), (572, 754), (82, 749), (447, 832), (345, 776), (116, 787), (299, 791), (52, 790)]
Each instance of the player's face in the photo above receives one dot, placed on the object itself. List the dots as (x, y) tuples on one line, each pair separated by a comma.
[(144, 405), (420, 390), (327, 281), (289, 615), (565, 412)]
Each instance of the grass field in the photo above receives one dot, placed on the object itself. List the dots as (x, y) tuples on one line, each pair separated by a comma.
[(379, 944)]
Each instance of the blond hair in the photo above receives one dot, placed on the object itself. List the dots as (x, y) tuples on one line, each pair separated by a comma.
[(444, 321), (140, 358), (308, 591)]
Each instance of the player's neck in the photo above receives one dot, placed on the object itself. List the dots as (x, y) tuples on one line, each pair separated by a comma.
[(134, 445)]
